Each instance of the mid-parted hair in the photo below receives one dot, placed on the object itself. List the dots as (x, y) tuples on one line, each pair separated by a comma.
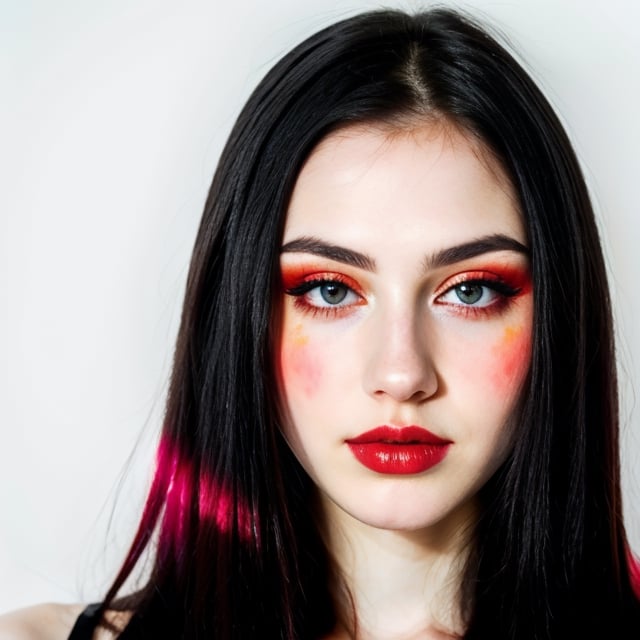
[(230, 517)]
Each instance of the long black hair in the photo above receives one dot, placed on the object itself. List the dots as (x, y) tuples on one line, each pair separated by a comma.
[(230, 518)]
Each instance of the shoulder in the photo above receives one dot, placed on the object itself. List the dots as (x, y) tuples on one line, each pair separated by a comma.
[(53, 622), (41, 622)]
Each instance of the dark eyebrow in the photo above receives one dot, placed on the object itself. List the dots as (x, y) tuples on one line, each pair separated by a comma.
[(443, 258), (309, 244), (486, 244)]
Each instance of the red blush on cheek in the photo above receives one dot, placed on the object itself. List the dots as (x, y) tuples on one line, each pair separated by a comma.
[(300, 362), (510, 357)]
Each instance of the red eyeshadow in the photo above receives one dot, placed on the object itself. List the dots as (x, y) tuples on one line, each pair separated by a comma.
[(515, 276), (294, 275)]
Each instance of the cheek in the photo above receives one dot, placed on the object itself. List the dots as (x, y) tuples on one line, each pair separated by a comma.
[(300, 363), (509, 358), (494, 360)]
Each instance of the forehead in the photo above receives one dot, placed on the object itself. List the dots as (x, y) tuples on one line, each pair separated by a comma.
[(433, 180)]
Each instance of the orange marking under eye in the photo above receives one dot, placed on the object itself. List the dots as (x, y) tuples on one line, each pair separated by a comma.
[(510, 334), (511, 355), (299, 338)]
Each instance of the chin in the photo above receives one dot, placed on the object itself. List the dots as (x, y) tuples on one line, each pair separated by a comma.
[(446, 520)]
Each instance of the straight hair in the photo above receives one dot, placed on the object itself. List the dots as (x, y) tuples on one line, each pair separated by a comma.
[(230, 518)]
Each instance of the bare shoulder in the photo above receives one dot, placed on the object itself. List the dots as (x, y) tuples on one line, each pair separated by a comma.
[(40, 622), (53, 622)]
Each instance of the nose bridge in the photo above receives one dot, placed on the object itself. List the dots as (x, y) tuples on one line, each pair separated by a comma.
[(400, 361)]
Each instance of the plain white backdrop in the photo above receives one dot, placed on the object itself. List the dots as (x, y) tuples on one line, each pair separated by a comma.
[(112, 117)]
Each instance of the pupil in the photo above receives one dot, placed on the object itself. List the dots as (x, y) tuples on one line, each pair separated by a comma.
[(333, 293), (469, 293)]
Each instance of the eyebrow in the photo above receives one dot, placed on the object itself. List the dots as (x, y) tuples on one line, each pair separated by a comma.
[(442, 258), (480, 246), (317, 247)]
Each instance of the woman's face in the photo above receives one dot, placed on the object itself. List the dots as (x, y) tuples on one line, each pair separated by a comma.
[(406, 323)]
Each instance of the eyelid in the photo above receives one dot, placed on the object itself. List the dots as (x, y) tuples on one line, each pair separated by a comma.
[(502, 285), (295, 276), (511, 279), (300, 281), (315, 283)]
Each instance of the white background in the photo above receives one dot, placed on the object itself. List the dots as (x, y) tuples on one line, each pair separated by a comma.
[(112, 115)]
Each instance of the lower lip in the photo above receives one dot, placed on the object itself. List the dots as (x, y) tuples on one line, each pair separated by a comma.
[(399, 458)]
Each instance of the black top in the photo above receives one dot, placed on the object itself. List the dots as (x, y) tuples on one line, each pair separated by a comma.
[(85, 624)]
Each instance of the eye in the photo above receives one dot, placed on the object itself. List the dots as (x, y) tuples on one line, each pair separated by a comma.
[(477, 294), (328, 294), (470, 293), (332, 293)]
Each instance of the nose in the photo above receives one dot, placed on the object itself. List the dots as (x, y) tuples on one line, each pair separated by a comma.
[(400, 364)]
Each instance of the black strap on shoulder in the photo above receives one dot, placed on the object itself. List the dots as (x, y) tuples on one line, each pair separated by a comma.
[(86, 623)]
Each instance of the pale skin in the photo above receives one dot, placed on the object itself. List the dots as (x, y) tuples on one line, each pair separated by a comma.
[(382, 230), (50, 622), (415, 213)]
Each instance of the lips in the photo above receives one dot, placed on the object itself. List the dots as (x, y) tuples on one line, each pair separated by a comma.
[(398, 450)]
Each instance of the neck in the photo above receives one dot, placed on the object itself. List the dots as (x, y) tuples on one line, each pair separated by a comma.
[(398, 584)]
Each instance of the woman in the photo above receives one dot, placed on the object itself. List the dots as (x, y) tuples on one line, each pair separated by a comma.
[(393, 407)]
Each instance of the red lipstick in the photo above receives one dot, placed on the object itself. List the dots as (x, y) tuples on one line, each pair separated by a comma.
[(398, 450)]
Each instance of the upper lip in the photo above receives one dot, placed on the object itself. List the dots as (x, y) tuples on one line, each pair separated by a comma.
[(400, 435)]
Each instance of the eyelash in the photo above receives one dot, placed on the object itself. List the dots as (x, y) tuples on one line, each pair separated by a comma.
[(503, 292), (494, 284), (301, 291)]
